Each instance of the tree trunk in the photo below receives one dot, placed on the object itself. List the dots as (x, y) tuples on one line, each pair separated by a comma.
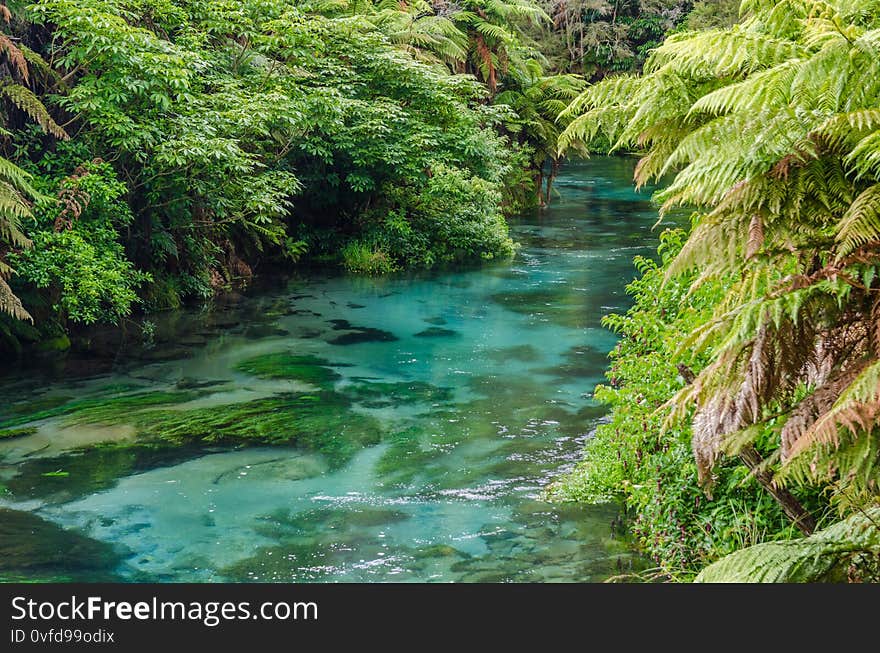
[(792, 507), (540, 186), (554, 170)]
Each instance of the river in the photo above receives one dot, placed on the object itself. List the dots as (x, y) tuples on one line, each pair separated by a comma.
[(427, 413)]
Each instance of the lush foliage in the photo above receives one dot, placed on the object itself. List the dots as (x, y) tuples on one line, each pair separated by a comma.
[(771, 129), (76, 255), (654, 474), (247, 135), (848, 551), (598, 37), (235, 135)]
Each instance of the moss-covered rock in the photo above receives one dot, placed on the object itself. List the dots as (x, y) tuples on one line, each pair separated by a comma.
[(54, 345)]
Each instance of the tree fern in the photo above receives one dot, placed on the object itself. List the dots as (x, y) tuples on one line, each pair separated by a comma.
[(15, 186), (848, 550), (861, 222), (26, 101), (771, 129)]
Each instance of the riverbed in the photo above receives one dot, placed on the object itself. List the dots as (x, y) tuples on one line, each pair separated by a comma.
[(340, 428)]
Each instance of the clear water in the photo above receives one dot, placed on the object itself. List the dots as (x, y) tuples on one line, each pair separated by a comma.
[(493, 370)]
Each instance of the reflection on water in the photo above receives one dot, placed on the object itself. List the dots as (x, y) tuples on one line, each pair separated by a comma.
[(413, 421)]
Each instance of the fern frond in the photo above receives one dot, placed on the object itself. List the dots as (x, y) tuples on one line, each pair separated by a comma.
[(36, 61), (722, 53), (861, 222), (827, 555), (855, 410), (26, 101), (10, 304)]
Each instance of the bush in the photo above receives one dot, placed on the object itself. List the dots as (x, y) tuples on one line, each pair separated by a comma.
[(77, 257), (653, 473), (454, 217), (362, 258)]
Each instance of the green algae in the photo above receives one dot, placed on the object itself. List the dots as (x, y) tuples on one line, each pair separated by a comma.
[(119, 388), (314, 543), (440, 551), (101, 409), (299, 562), (187, 383), (561, 306), (358, 334), (283, 365), (524, 353), (322, 422), (578, 362), (22, 409), (328, 521), (410, 453), (380, 394), (8, 434), (437, 332), (89, 470)]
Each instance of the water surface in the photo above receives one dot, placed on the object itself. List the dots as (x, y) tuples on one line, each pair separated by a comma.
[(429, 411)]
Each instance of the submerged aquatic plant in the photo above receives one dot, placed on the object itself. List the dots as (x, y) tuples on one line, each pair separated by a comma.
[(322, 421), (284, 365)]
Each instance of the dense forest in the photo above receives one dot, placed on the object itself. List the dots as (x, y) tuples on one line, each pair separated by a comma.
[(158, 152), (173, 149)]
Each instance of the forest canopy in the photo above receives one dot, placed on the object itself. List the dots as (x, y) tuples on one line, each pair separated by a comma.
[(176, 147)]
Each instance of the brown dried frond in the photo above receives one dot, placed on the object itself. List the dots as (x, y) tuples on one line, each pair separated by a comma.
[(707, 427), (725, 412), (15, 56), (873, 327), (756, 236), (74, 199), (5, 14), (778, 357), (856, 409), (814, 406), (485, 55)]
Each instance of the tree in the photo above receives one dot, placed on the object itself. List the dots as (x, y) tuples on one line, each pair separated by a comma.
[(537, 100), (496, 42), (16, 189), (772, 131), (417, 26), (600, 36)]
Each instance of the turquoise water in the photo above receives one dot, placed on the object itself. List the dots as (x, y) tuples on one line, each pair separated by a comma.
[(446, 400)]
